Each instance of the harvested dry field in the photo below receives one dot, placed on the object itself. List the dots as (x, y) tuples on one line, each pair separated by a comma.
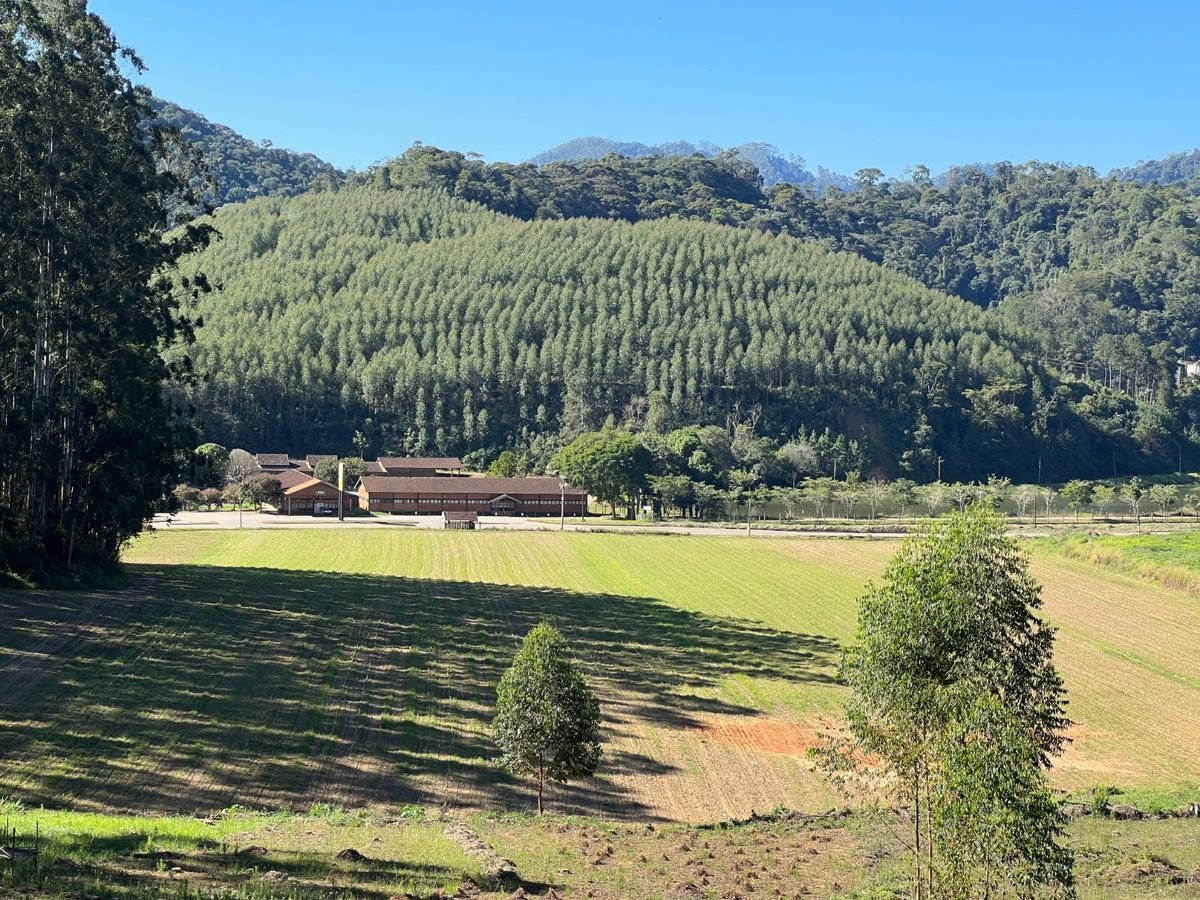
[(272, 669)]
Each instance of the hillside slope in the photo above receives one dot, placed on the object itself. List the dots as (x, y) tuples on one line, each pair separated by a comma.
[(436, 325), (242, 168)]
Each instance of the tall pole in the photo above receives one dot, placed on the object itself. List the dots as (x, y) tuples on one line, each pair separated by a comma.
[(562, 505), (939, 470), (341, 490)]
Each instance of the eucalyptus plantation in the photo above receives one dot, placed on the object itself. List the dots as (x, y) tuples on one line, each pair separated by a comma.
[(86, 191)]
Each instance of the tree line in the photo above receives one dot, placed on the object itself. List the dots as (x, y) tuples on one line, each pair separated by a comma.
[(87, 292), (712, 473)]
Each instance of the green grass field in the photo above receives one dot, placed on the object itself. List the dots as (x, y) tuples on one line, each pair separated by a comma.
[(272, 669), (355, 669)]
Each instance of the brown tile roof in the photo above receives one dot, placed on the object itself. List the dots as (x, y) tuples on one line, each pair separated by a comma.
[(290, 477), (460, 515), (420, 462), (375, 467), (313, 458), (307, 483), (273, 460), (392, 484)]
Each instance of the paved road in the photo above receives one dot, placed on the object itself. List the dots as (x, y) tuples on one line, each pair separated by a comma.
[(226, 519)]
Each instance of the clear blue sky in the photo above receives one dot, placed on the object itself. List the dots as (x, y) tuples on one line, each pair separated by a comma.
[(844, 85)]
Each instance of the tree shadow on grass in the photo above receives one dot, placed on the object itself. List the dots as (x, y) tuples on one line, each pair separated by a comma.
[(201, 687)]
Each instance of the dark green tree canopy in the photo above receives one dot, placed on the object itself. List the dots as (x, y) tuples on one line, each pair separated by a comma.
[(87, 301), (547, 720)]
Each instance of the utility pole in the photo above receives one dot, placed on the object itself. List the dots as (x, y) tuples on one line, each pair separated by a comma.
[(562, 505), (939, 470), (341, 490)]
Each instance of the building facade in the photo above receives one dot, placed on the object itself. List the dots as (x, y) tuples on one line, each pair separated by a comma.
[(485, 496), (314, 497)]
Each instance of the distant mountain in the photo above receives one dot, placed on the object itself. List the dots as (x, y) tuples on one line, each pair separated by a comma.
[(773, 164), (1170, 169), (242, 168)]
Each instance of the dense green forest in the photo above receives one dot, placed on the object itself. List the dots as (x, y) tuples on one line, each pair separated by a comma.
[(87, 298), (1102, 274), (239, 168), (1171, 168), (435, 325)]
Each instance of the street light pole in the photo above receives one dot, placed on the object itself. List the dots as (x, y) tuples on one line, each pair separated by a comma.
[(562, 505)]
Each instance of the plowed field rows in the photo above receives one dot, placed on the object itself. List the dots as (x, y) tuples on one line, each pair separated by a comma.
[(270, 669)]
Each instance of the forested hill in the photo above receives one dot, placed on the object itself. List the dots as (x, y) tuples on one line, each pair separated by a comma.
[(436, 326), (1173, 168), (241, 168), (773, 164), (1103, 273)]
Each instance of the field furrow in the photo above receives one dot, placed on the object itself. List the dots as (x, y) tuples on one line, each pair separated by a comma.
[(268, 669)]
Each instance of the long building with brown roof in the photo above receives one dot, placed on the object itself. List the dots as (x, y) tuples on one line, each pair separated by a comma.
[(419, 466), (489, 496)]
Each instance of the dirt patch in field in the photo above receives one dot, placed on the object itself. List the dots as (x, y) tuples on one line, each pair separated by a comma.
[(761, 734)]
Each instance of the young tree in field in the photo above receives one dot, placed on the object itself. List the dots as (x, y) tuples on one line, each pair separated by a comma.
[(741, 482), (1103, 496), (1163, 496), (211, 497), (956, 704), (848, 493), (1133, 492), (995, 491), (547, 720), (756, 498), (962, 494), (705, 498), (1077, 493), (186, 496), (789, 498)]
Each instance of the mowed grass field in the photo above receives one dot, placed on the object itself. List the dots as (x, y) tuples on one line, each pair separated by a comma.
[(357, 668)]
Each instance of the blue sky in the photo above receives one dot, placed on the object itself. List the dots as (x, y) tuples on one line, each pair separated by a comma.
[(845, 85)]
